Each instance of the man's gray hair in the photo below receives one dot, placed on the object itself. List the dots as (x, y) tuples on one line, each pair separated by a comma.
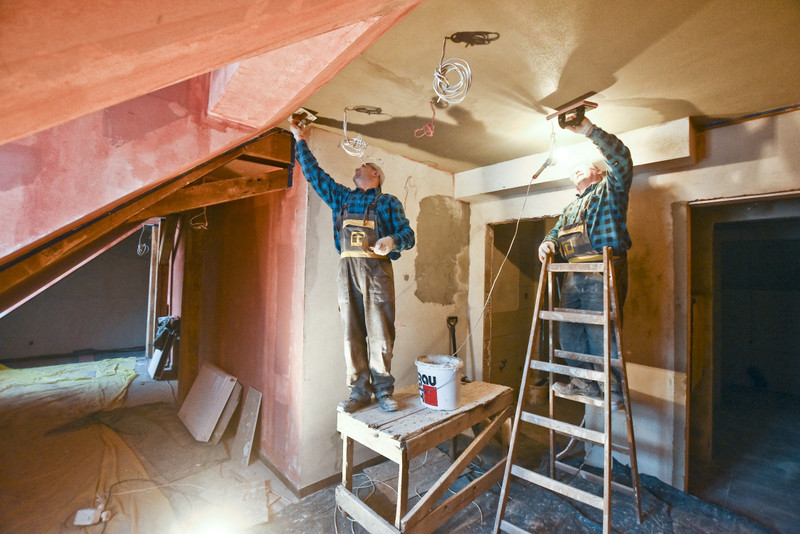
[(375, 166)]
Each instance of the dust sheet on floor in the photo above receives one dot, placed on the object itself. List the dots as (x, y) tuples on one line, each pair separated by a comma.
[(56, 457)]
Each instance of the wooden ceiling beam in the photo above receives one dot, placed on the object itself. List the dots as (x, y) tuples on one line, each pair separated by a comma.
[(26, 270), (217, 192)]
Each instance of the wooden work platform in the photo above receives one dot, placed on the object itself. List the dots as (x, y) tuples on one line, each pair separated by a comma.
[(412, 430)]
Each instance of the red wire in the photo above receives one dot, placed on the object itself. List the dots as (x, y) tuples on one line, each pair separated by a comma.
[(426, 130)]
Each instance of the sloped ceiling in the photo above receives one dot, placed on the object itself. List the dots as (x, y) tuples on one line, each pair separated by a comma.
[(106, 109), (649, 62), (72, 73)]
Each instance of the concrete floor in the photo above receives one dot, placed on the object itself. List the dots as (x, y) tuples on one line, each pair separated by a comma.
[(739, 481)]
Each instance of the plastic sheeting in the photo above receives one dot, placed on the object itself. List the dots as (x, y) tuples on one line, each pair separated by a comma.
[(56, 458)]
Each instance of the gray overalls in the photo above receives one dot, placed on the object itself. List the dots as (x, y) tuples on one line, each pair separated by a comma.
[(366, 302)]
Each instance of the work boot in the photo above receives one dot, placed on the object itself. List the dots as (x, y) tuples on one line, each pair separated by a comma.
[(616, 396), (353, 404), (616, 400), (578, 386), (387, 403)]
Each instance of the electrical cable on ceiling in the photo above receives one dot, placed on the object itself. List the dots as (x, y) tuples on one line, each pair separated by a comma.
[(426, 130), (474, 38), (353, 146), (550, 160), (456, 92)]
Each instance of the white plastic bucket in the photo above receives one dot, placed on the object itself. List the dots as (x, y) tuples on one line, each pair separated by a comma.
[(439, 386)]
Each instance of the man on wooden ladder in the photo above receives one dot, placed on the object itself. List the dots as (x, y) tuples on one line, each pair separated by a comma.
[(595, 219)]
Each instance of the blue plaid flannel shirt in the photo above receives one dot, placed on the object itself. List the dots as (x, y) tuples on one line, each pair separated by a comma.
[(608, 203), (390, 215)]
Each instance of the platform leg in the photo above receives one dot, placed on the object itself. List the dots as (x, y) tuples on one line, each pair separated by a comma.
[(402, 489), (347, 463)]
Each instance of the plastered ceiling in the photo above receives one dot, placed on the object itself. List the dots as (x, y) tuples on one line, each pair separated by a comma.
[(649, 62)]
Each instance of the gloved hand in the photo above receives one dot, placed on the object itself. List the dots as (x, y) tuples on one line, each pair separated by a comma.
[(583, 128), (297, 131), (383, 246), (547, 247)]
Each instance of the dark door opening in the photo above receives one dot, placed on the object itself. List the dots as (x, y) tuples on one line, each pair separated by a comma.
[(745, 363), (509, 312)]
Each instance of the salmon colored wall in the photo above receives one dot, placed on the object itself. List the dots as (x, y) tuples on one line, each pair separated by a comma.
[(253, 267), (51, 179)]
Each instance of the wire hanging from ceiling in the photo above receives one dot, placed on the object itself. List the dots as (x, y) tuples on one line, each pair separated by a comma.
[(426, 130), (453, 78), (354, 146), (452, 93)]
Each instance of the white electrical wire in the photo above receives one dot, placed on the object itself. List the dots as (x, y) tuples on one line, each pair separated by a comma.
[(452, 93), (547, 162), (353, 146)]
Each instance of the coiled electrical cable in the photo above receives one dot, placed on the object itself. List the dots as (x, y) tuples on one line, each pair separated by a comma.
[(353, 146), (452, 92)]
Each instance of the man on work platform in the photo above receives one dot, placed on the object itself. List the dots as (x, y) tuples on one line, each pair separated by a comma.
[(594, 220), (370, 229)]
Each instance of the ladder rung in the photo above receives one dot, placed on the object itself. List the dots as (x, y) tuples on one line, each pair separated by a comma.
[(591, 477), (577, 316), (588, 267), (578, 372), (565, 428), (588, 358), (505, 526), (558, 487), (582, 398)]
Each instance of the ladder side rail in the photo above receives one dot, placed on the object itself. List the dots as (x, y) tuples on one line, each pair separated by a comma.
[(520, 401), (626, 399), (552, 284), (607, 463)]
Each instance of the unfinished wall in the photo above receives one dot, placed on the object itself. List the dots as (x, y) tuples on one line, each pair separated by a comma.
[(421, 316), (750, 158), (252, 323)]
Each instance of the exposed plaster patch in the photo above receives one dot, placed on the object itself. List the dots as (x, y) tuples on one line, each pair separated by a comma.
[(442, 237)]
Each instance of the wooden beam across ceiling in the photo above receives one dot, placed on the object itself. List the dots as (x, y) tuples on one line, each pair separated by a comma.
[(217, 192), (23, 273)]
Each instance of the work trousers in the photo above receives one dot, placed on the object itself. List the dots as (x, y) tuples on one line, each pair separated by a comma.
[(584, 291), (366, 302)]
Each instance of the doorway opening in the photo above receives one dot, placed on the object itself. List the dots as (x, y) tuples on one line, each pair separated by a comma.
[(508, 315), (745, 357)]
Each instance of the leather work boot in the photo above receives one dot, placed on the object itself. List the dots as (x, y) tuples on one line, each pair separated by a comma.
[(353, 404), (387, 403), (578, 386)]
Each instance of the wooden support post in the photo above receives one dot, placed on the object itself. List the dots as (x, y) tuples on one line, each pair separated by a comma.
[(152, 292), (402, 489), (347, 463), (191, 306)]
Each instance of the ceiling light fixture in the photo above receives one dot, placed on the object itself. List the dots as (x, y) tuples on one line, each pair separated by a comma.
[(353, 146)]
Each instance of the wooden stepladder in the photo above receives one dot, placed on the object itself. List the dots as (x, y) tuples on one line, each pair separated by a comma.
[(608, 318)]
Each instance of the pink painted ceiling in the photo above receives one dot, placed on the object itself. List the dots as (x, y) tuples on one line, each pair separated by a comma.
[(101, 104)]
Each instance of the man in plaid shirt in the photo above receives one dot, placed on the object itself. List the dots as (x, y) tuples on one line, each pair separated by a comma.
[(370, 229), (595, 219)]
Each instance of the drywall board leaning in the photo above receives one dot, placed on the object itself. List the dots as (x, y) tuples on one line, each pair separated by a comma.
[(243, 442), (206, 401)]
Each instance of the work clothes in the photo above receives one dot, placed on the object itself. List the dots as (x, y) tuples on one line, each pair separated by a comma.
[(603, 206), (391, 217), (602, 210), (365, 280)]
